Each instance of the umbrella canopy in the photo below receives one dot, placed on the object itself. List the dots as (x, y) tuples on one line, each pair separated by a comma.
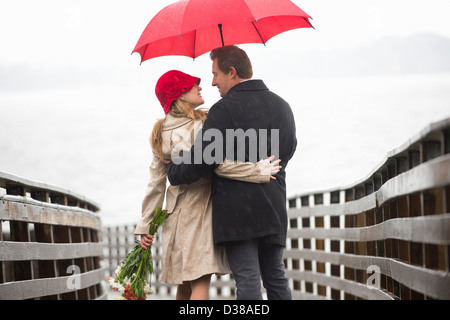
[(194, 27)]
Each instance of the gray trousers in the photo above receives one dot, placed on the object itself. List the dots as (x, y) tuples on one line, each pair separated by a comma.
[(253, 260)]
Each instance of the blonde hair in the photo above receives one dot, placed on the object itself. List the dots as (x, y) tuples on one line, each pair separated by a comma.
[(179, 109)]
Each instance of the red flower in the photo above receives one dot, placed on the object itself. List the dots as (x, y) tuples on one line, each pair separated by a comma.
[(129, 294)]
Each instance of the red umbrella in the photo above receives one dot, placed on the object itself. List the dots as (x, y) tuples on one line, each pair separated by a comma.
[(194, 27)]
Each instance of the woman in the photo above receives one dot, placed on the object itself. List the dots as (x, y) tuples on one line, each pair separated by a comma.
[(189, 256)]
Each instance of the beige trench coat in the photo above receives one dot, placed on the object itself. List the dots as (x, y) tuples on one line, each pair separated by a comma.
[(188, 250)]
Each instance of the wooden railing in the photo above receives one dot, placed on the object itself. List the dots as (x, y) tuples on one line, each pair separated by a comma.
[(50, 243), (384, 237)]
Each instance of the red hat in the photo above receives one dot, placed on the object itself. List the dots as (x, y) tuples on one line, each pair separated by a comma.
[(171, 85)]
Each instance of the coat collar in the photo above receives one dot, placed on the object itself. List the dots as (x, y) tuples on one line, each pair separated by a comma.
[(249, 85), (172, 122)]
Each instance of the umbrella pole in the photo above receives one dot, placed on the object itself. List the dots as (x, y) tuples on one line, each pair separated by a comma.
[(195, 39), (258, 33), (221, 35)]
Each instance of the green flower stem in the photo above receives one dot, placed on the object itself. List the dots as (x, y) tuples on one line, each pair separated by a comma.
[(139, 261)]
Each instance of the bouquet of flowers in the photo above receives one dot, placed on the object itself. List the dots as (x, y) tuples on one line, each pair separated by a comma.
[(133, 275)]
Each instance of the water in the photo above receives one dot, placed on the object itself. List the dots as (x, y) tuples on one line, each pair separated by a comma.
[(94, 140)]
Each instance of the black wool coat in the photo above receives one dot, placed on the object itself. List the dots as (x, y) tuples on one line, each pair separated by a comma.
[(243, 210)]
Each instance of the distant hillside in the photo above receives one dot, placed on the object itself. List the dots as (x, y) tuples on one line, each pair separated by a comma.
[(422, 53)]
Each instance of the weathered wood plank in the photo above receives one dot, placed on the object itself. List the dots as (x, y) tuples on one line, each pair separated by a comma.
[(35, 186), (428, 229), (29, 289), (19, 251), (434, 283), (432, 174), (26, 209), (298, 295), (355, 288), (351, 207)]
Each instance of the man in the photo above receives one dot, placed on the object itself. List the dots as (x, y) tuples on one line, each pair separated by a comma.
[(250, 220)]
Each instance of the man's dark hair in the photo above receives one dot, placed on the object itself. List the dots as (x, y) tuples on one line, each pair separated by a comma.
[(232, 56)]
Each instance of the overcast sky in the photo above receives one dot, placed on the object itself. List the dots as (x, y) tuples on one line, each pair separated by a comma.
[(42, 40), (55, 33)]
